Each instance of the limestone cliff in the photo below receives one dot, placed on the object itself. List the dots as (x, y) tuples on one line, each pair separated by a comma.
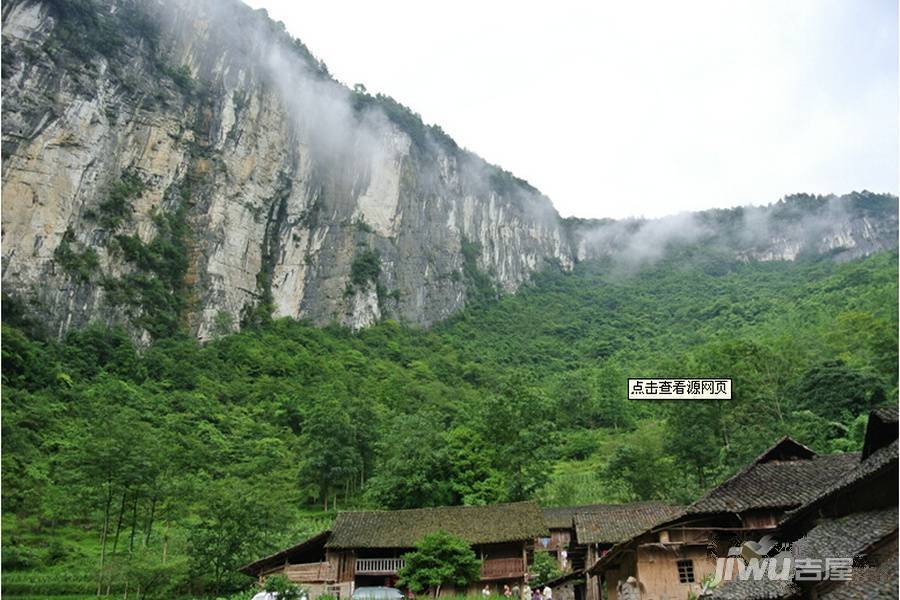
[(188, 164), (298, 196)]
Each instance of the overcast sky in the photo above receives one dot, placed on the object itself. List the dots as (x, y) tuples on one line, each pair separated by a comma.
[(646, 108)]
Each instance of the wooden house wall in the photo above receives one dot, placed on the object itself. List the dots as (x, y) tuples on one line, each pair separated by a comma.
[(592, 582), (685, 536), (316, 584), (877, 492), (508, 550), (763, 519), (380, 552), (336, 574), (560, 539), (657, 571), (507, 562), (344, 562), (627, 567)]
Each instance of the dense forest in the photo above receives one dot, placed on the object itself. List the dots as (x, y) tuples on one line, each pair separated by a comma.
[(165, 467)]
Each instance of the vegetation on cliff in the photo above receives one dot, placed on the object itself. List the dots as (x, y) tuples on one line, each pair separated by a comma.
[(187, 459)]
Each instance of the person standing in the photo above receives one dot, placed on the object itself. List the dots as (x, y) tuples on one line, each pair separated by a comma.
[(548, 593), (486, 592)]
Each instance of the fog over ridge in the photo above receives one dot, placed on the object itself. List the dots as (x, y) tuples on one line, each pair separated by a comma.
[(352, 126)]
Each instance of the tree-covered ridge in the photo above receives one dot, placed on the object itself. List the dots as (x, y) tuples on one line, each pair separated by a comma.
[(188, 459)]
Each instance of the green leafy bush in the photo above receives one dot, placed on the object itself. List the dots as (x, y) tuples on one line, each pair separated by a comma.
[(157, 289), (544, 568), (117, 208), (80, 266), (440, 559), (282, 586), (365, 268), (180, 76)]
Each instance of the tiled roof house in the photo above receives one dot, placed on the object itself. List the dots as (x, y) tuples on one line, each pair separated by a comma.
[(366, 548), (854, 518), (671, 559)]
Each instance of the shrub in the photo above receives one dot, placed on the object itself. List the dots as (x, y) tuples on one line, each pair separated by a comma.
[(78, 265), (544, 568), (117, 206), (281, 585), (366, 267), (439, 559), (16, 556), (180, 76)]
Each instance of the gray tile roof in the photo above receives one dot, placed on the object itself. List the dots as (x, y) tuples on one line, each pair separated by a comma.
[(881, 460), (878, 583), (846, 537), (888, 414), (562, 517), (615, 523), (753, 590), (404, 528), (776, 484), (881, 429)]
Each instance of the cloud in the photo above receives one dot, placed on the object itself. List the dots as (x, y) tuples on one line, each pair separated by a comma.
[(633, 243), (629, 109), (344, 130)]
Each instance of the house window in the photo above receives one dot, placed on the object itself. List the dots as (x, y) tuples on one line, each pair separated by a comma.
[(685, 571)]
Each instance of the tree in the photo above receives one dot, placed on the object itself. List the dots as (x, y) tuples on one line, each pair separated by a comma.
[(230, 531), (643, 468), (471, 476), (439, 559), (691, 436), (147, 576), (329, 438), (412, 471), (282, 586), (544, 568), (519, 422), (837, 392)]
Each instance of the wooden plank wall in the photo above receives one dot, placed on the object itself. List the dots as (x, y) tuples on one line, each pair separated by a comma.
[(657, 571)]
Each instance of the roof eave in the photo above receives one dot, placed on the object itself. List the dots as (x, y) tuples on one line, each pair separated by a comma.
[(252, 567)]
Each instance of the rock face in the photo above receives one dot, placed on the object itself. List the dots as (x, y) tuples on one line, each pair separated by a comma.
[(300, 197), (798, 226), (187, 164)]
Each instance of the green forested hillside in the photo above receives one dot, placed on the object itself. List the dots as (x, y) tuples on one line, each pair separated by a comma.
[(168, 467)]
